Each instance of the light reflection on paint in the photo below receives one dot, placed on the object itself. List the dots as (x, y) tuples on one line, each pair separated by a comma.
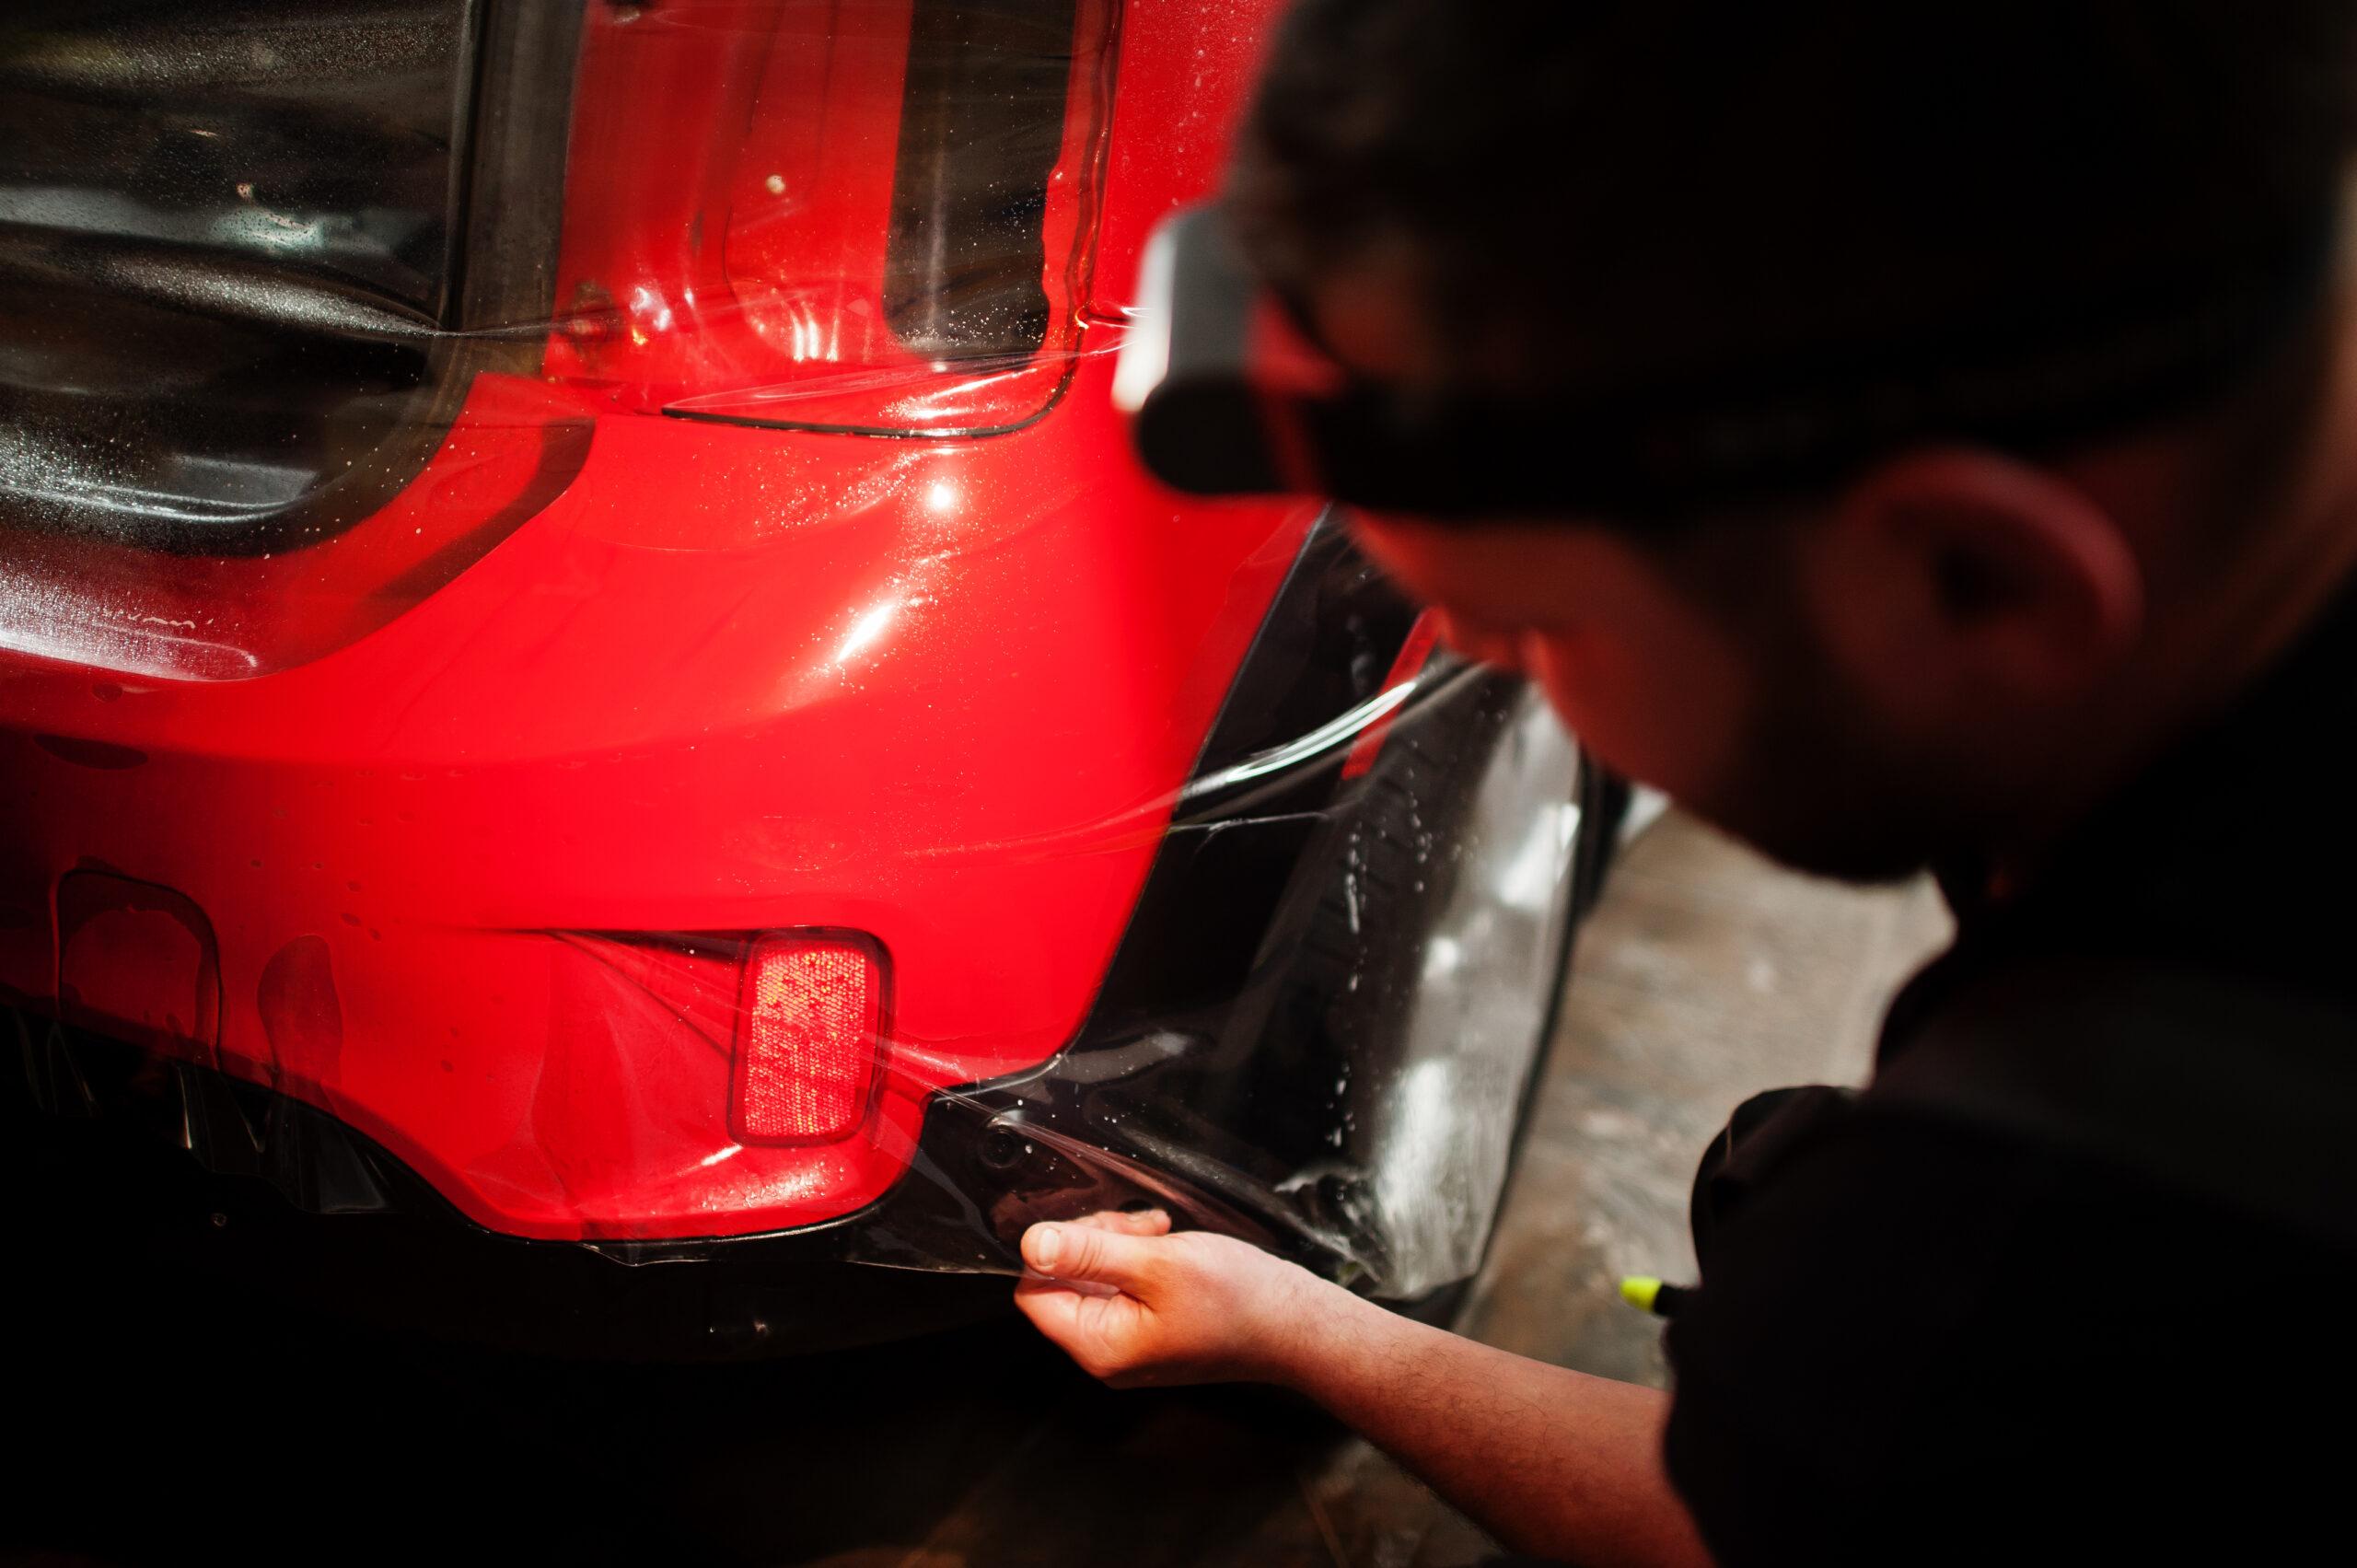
[(865, 629), (650, 305)]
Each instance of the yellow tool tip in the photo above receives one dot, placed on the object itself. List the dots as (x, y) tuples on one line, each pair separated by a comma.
[(1639, 1291)]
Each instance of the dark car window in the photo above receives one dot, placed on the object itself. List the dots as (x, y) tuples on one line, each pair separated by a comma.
[(226, 245), (299, 134), (892, 236), (981, 125), (252, 252)]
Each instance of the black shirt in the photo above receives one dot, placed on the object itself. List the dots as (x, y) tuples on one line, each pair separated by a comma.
[(1932, 1333)]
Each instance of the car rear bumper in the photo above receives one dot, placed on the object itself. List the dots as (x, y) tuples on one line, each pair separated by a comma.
[(289, 1209), (1170, 1091), (131, 1151), (1158, 1098)]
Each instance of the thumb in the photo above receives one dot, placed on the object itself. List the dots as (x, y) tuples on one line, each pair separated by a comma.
[(1086, 1254)]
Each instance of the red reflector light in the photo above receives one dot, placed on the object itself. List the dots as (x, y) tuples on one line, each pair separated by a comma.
[(810, 1039)]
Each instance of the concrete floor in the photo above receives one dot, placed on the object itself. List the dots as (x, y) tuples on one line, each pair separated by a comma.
[(173, 1429)]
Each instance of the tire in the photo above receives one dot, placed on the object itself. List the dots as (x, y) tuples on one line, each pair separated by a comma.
[(1432, 973)]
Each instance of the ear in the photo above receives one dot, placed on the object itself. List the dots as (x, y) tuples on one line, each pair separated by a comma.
[(1967, 575)]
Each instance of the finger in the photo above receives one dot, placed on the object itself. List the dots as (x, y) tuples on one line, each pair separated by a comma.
[(1031, 1279), (1143, 1221), (1061, 1316), (1080, 1254), (1098, 1332), (1052, 1310)]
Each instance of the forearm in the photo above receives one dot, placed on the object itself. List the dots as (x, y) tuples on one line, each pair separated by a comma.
[(1549, 1462)]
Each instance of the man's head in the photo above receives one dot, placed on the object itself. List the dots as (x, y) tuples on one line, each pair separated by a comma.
[(1932, 649)]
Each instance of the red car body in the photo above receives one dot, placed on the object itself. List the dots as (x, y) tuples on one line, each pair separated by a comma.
[(582, 652), (416, 859)]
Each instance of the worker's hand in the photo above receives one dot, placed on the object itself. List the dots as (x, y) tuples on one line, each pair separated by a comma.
[(1135, 1305)]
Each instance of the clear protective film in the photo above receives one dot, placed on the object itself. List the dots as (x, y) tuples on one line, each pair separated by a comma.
[(583, 655)]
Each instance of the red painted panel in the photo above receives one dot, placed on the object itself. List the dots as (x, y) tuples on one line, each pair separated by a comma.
[(728, 679)]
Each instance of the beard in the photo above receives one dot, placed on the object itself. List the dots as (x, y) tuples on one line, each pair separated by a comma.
[(1816, 784)]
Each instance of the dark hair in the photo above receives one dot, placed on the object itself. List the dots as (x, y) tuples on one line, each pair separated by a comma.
[(1647, 185)]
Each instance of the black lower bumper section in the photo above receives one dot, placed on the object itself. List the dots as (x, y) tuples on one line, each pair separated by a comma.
[(285, 1206), (138, 1162)]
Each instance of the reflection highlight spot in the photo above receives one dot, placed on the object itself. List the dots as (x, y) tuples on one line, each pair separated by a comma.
[(865, 629)]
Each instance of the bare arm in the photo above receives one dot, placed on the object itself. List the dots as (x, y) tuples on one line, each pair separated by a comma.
[(1549, 1462)]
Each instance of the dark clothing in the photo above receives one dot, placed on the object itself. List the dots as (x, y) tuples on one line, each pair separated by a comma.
[(2075, 1276)]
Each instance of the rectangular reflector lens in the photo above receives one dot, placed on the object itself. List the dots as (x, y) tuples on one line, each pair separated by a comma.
[(809, 1039)]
